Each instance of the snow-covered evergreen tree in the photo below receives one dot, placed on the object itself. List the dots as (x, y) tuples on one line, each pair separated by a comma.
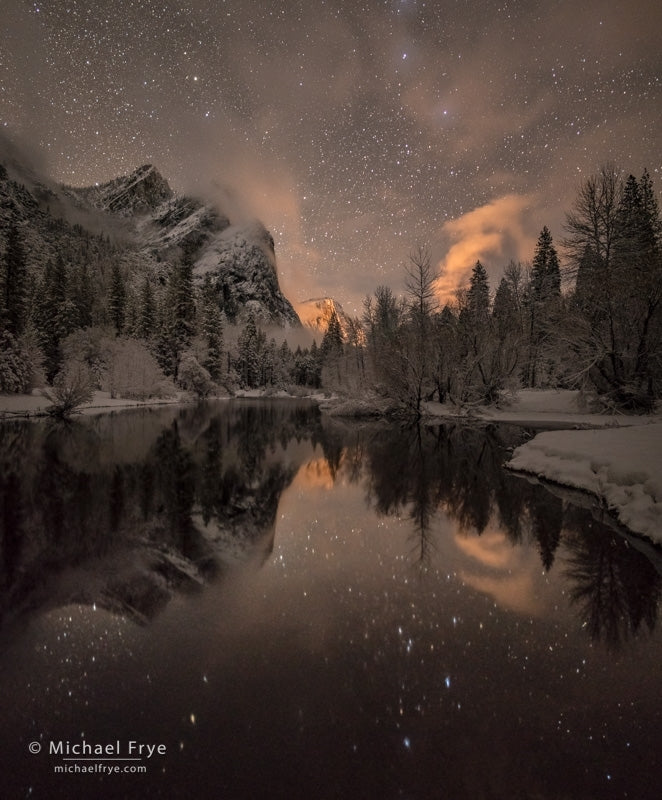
[(14, 285), (117, 300)]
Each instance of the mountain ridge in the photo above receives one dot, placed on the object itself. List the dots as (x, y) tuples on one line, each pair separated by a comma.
[(153, 230)]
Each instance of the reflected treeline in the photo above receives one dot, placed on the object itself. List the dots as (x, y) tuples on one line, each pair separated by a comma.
[(197, 492), (130, 508), (418, 471), (616, 589)]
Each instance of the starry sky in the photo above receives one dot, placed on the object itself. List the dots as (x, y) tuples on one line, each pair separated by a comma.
[(355, 129)]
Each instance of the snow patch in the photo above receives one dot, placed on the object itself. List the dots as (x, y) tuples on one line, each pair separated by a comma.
[(620, 466)]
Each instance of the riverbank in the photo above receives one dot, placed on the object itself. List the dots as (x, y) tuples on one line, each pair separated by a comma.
[(548, 408), (21, 406), (615, 457), (620, 466), (37, 404)]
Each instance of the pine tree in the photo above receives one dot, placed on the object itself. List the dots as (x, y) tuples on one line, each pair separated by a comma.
[(117, 300), (313, 366), (248, 360), (146, 312), (83, 296), (587, 275), (177, 318), (504, 311), (332, 341), (182, 302), (213, 327), (546, 271), (14, 300), (542, 305), (52, 315), (478, 296)]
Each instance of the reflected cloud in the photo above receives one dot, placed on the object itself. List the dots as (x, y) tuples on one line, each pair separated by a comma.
[(512, 571), (491, 549), (515, 592)]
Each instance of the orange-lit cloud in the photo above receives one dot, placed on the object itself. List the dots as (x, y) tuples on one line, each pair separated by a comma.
[(493, 233)]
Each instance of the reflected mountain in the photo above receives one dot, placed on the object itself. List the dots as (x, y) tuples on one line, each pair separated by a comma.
[(123, 511)]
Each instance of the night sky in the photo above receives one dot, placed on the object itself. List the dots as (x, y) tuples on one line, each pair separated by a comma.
[(355, 130)]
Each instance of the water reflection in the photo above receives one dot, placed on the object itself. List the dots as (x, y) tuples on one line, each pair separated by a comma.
[(84, 518), (614, 587), (125, 511), (458, 471)]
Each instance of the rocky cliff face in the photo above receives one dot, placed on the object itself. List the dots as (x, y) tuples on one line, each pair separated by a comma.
[(138, 193), (242, 263), (152, 229), (316, 313)]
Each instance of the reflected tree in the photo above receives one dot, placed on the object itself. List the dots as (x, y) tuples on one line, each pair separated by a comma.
[(616, 588), (12, 514), (80, 501), (546, 525)]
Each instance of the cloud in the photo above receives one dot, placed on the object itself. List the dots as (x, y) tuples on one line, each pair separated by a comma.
[(493, 233)]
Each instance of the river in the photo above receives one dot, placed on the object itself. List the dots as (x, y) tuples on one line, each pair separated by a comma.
[(249, 599)]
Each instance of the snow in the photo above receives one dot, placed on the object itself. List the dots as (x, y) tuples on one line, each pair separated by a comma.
[(619, 465), (37, 404), (619, 460), (536, 408)]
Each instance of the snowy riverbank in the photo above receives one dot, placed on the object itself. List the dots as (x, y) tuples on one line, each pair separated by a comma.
[(619, 465), (37, 404), (538, 409), (619, 460)]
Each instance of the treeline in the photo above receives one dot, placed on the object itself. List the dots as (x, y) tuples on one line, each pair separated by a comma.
[(95, 315), (79, 313), (593, 322)]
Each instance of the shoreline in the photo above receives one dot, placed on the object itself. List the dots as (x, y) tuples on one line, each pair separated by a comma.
[(35, 406), (612, 458)]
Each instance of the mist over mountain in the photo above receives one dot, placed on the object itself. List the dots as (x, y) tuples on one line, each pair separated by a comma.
[(139, 225)]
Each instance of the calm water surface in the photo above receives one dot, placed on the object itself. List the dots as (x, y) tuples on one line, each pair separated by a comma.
[(297, 607)]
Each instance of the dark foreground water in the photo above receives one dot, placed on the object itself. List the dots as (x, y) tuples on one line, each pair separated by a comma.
[(252, 601)]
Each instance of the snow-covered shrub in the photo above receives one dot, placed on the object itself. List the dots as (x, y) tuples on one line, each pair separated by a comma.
[(193, 377), (92, 346), (133, 372)]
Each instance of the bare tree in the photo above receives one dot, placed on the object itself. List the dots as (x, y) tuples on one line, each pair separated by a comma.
[(613, 244), (72, 387)]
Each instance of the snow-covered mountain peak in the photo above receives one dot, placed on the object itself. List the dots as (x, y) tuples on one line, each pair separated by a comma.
[(153, 230), (316, 313), (140, 192)]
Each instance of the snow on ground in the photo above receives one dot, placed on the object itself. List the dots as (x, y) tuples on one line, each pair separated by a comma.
[(619, 461), (36, 404), (536, 408), (620, 465)]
